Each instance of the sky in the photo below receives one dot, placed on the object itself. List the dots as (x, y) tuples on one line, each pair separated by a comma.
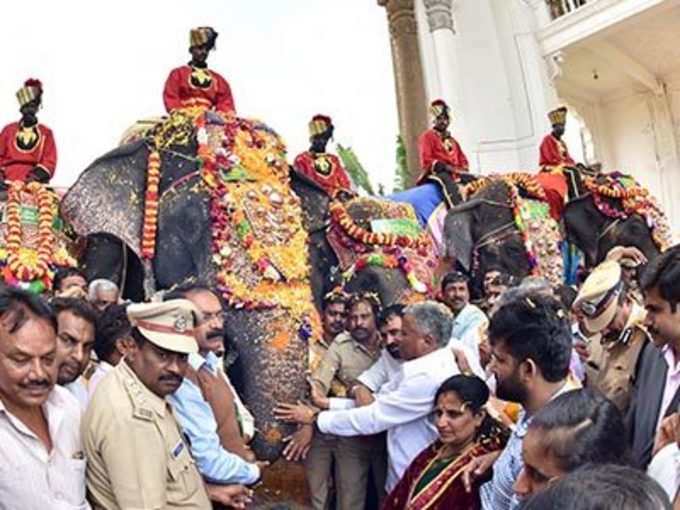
[(103, 65)]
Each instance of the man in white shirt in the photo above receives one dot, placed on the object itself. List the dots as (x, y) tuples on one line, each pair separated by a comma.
[(41, 461), (76, 321), (404, 405)]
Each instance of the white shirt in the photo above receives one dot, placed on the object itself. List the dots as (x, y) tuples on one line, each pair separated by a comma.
[(403, 408), (380, 372), (672, 383), (469, 319), (78, 389), (31, 478), (665, 469), (102, 369)]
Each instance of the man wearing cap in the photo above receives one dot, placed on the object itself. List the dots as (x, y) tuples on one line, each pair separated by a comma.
[(136, 454), (194, 85), (27, 148), (553, 158), (610, 311), (440, 153), (316, 164)]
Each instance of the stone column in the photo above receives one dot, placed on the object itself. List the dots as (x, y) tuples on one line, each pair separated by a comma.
[(408, 73), (440, 21)]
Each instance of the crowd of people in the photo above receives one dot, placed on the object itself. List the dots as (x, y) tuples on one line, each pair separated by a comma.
[(531, 397)]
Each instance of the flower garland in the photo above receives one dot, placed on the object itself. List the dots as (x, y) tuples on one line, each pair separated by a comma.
[(634, 200), (342, 218), (516, 204), (24, 264), (395, 258), (150, 221), (523, 180)]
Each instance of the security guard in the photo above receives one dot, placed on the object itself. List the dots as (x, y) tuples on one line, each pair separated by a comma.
[(611, 312), (137, 457)]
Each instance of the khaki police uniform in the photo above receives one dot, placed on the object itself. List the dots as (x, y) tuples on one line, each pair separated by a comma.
[(137, 458), (610, 368), (355, 457)]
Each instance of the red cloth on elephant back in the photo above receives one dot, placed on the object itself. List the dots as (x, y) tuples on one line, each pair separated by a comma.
[(555, 188), (22, 149), (188, 86), (432, 148), (326, 170)]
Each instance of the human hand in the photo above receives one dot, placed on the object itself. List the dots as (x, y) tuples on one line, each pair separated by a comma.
[(669, 432), (477, 467), (299, 443), (295, 413), (626, 252), (233, 496), (362, 395), (262, 464), (582, 350), (319, 399)]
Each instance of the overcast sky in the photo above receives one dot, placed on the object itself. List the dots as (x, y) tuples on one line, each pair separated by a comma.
[(103, 65)]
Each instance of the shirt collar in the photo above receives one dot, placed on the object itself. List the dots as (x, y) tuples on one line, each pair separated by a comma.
[(141, 392)]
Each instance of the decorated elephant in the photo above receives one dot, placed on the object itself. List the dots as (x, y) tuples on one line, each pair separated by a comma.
[(505, 223), (34, 240), (226, 214)]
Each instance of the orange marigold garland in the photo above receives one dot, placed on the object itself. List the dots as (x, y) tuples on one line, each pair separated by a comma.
[(23, 266), (341, 217), (150, 223)]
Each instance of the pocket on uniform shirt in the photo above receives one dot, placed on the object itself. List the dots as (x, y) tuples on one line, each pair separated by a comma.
[(183, 473)]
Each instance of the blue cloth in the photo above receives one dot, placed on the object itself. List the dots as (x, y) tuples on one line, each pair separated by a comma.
[(424, 199), (468, 319), (497, 494), (195, 415), (571, 256)]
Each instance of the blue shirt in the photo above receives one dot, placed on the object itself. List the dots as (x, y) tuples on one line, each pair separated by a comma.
[(195, 415), (497, 494), (470, 318)]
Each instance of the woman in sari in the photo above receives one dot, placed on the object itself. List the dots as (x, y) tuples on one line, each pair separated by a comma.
[(433, 480)]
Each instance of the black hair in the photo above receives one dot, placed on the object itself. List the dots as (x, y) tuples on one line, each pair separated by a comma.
[(182, 291), (15, 302), (534, 326), (663, 273), (396, 310), (370, 298), (582, 427), (475, 394), (61, 274), (112, 325), (78, 307), (334, 298), (601, 487), (455, 277), (567, 295), (138, 337)]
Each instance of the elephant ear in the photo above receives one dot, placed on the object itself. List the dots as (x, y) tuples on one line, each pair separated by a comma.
[(108, 197), (458, 239)]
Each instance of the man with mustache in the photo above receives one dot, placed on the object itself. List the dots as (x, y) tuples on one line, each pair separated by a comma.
[(27, 148), (136, 454), (456, 295), (209, 410), (609, 310), (657, 382), (76, 321), (41, 460)]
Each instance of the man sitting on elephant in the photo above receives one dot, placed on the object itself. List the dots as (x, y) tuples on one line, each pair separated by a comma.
[(194, 85), (553, 158), (27, 148), (323, 169)]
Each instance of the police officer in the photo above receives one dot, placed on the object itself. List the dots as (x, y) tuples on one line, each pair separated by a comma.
[(611, 312), (136, 454)]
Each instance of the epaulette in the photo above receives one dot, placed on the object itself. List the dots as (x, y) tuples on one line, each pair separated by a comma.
[(139, 408)]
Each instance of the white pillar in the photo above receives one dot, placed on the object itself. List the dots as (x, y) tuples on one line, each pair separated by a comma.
[(440, 22)]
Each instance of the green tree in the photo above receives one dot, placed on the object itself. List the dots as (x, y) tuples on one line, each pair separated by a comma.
[(355, 170)]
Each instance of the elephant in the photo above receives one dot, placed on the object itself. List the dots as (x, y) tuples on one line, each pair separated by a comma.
[(481, 233), (106, 207)]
